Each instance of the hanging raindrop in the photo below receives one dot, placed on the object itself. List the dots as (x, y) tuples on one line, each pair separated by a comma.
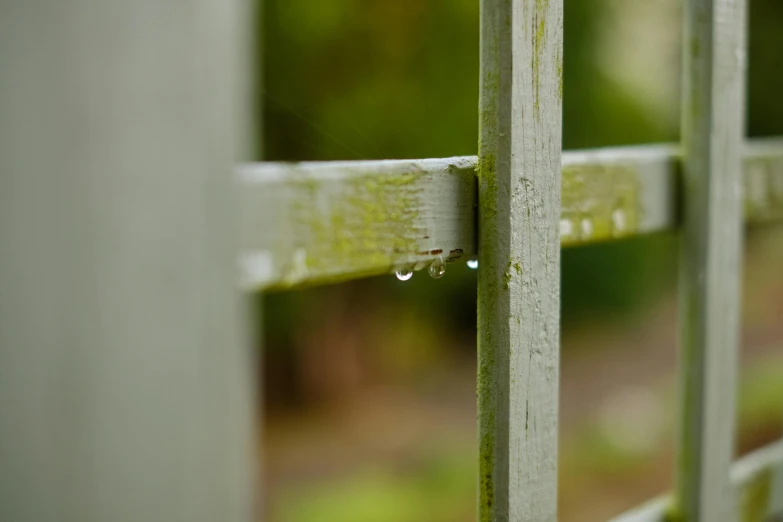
[(473, 263), (566, 227), (587, 228), (404, 275), (437, 269), (618, 221)]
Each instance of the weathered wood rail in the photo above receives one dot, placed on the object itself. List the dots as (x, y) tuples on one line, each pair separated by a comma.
[(335, 221)]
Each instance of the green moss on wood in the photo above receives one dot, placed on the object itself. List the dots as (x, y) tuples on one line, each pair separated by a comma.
[(539, 43), (599, 203), (560, 74), (763, 184), (508, 276), (487, 296), (754, 503), (487, 451), (488, 194), (688, 456), (365, 227)]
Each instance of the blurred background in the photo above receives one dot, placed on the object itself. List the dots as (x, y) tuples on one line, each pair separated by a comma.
[(369, 386)]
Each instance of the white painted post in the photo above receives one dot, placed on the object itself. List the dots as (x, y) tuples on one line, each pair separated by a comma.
[(125, 389), (711, 252), (519, 249)]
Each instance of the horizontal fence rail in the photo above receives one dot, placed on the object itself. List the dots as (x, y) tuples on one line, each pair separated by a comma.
[(307, 223), (757, 484)]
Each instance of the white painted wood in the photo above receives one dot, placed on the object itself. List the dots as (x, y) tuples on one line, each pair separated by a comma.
[(519, 249), (711, 253), (755, 481), (124, 379), (439, 202)]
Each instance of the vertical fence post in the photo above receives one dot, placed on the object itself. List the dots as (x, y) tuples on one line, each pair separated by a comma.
[(519, 248), (711, 251), (124, 378)]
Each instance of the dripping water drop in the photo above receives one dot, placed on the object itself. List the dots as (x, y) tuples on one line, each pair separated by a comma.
[(566, 227), (618, 221), (473, 263), (404, 275), (587, 227), (437, 269)]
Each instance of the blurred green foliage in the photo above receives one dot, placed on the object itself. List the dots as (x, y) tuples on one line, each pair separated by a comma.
[(358, 79)]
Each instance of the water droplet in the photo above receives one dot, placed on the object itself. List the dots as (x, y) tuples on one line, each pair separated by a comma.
[(587, 227), (437, 269), (473, 263), (618, 221), (566, 227), (404, 275)]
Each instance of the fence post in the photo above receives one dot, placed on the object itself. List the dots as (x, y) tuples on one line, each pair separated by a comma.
[(711, 252), (519, 249), (124, 378)]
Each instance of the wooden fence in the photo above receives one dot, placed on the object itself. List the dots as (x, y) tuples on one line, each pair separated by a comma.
[(124, 386)]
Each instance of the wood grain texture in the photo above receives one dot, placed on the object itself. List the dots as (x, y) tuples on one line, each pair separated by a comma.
[(711, 253), (756, 481), (310, 223), (519, 248), (125, 390)]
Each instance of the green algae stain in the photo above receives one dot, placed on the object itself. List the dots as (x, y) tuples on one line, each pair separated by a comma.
[(487, 297), (695, 48), (673, 514), (539, 42), (599, 202), (763, 189), (488, 189), (696, 85), (487, 451), (357, 231), (755, 498), (508, 276), (559, 75)]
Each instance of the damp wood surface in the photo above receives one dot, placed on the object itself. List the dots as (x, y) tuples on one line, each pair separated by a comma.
[(309, 223)]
